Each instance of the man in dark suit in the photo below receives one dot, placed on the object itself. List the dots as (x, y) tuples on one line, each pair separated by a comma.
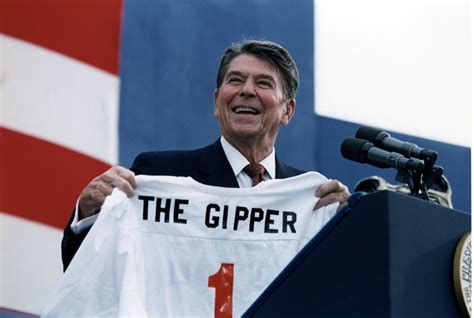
[(255, 95)]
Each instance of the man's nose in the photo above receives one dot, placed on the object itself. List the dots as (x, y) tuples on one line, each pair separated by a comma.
[(248, 89)]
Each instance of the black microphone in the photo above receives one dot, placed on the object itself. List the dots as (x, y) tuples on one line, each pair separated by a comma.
[(363, 151), (383, 140)]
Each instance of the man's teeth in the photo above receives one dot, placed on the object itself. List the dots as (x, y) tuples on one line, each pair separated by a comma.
[(239, 110)]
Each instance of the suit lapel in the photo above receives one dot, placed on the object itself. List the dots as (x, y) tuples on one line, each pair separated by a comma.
[(215, 167), (281, 170), (284, 171)]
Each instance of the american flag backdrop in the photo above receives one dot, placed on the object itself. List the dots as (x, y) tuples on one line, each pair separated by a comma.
[(86, 84)]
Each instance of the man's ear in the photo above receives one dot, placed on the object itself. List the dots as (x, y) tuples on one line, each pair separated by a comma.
[(290, 110), (216, 108)]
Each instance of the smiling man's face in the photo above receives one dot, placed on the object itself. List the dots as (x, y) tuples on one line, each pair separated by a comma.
[(250, 102)]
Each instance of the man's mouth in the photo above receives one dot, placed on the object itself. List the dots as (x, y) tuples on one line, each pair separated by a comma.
[(245, 110)]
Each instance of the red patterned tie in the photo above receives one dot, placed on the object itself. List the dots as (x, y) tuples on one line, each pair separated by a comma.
[(255, 171)]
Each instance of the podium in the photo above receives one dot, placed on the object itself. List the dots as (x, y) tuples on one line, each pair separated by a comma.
[(386, 255)]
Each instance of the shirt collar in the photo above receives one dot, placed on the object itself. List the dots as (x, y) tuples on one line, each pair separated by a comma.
[(238, 161)]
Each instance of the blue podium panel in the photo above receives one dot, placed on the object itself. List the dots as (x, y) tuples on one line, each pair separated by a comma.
[(391, 255)]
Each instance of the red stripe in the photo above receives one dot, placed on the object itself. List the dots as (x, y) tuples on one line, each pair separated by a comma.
[(87, 30), (41, 181)]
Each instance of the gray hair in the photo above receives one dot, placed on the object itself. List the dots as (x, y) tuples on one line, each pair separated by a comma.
[(273, 53)]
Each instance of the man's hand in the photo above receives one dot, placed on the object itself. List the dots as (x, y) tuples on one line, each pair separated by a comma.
[(330, 192), (93, 196)]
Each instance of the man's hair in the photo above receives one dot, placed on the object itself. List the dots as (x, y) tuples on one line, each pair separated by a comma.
[(273, 53)]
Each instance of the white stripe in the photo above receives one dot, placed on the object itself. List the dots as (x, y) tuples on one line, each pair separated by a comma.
[(59, 99), (30, 266), (400, 65)]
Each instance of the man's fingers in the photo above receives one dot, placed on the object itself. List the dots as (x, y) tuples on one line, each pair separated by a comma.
[(93, 196), (331, 192), (124, 186), (126, 174), (318, 205), (330, 187), (126, 181), (121, 178), (326, 200)]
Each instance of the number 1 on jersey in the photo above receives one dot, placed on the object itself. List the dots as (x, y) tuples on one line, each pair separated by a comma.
[(223, 282)]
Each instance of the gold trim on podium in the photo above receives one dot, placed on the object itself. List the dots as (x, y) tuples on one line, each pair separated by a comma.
[(462, 274)]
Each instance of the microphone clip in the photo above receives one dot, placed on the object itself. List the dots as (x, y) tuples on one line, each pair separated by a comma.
[(412, 176)]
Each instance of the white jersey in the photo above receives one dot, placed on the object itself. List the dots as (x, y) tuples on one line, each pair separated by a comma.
[(179, 248)]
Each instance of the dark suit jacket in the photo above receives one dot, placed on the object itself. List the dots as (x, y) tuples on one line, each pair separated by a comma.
[(208, 165)]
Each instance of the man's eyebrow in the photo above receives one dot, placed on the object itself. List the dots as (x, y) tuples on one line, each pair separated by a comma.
[(259, 76), (231, 73), (267, 77)]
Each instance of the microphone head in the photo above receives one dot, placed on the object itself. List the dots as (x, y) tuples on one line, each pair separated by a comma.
[(371, 134), (355, 149)]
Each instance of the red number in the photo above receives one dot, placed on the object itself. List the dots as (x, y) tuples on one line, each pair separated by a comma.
[(223, 282)]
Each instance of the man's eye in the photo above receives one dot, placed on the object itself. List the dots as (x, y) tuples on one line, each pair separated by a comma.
[(234, 80), (265, 84)]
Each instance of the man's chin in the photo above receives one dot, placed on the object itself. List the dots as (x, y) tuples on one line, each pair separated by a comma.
[(245, 132)]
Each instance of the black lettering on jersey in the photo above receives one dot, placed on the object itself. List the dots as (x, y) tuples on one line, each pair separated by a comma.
[(256, 215), (165, 210), (269, 221), (225, 213), (212, 222), (289, 220), (179, 211), (241, 214), (251, 219), (145, 199)]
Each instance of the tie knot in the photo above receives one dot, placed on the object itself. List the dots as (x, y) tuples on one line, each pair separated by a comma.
[(255, 171)]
